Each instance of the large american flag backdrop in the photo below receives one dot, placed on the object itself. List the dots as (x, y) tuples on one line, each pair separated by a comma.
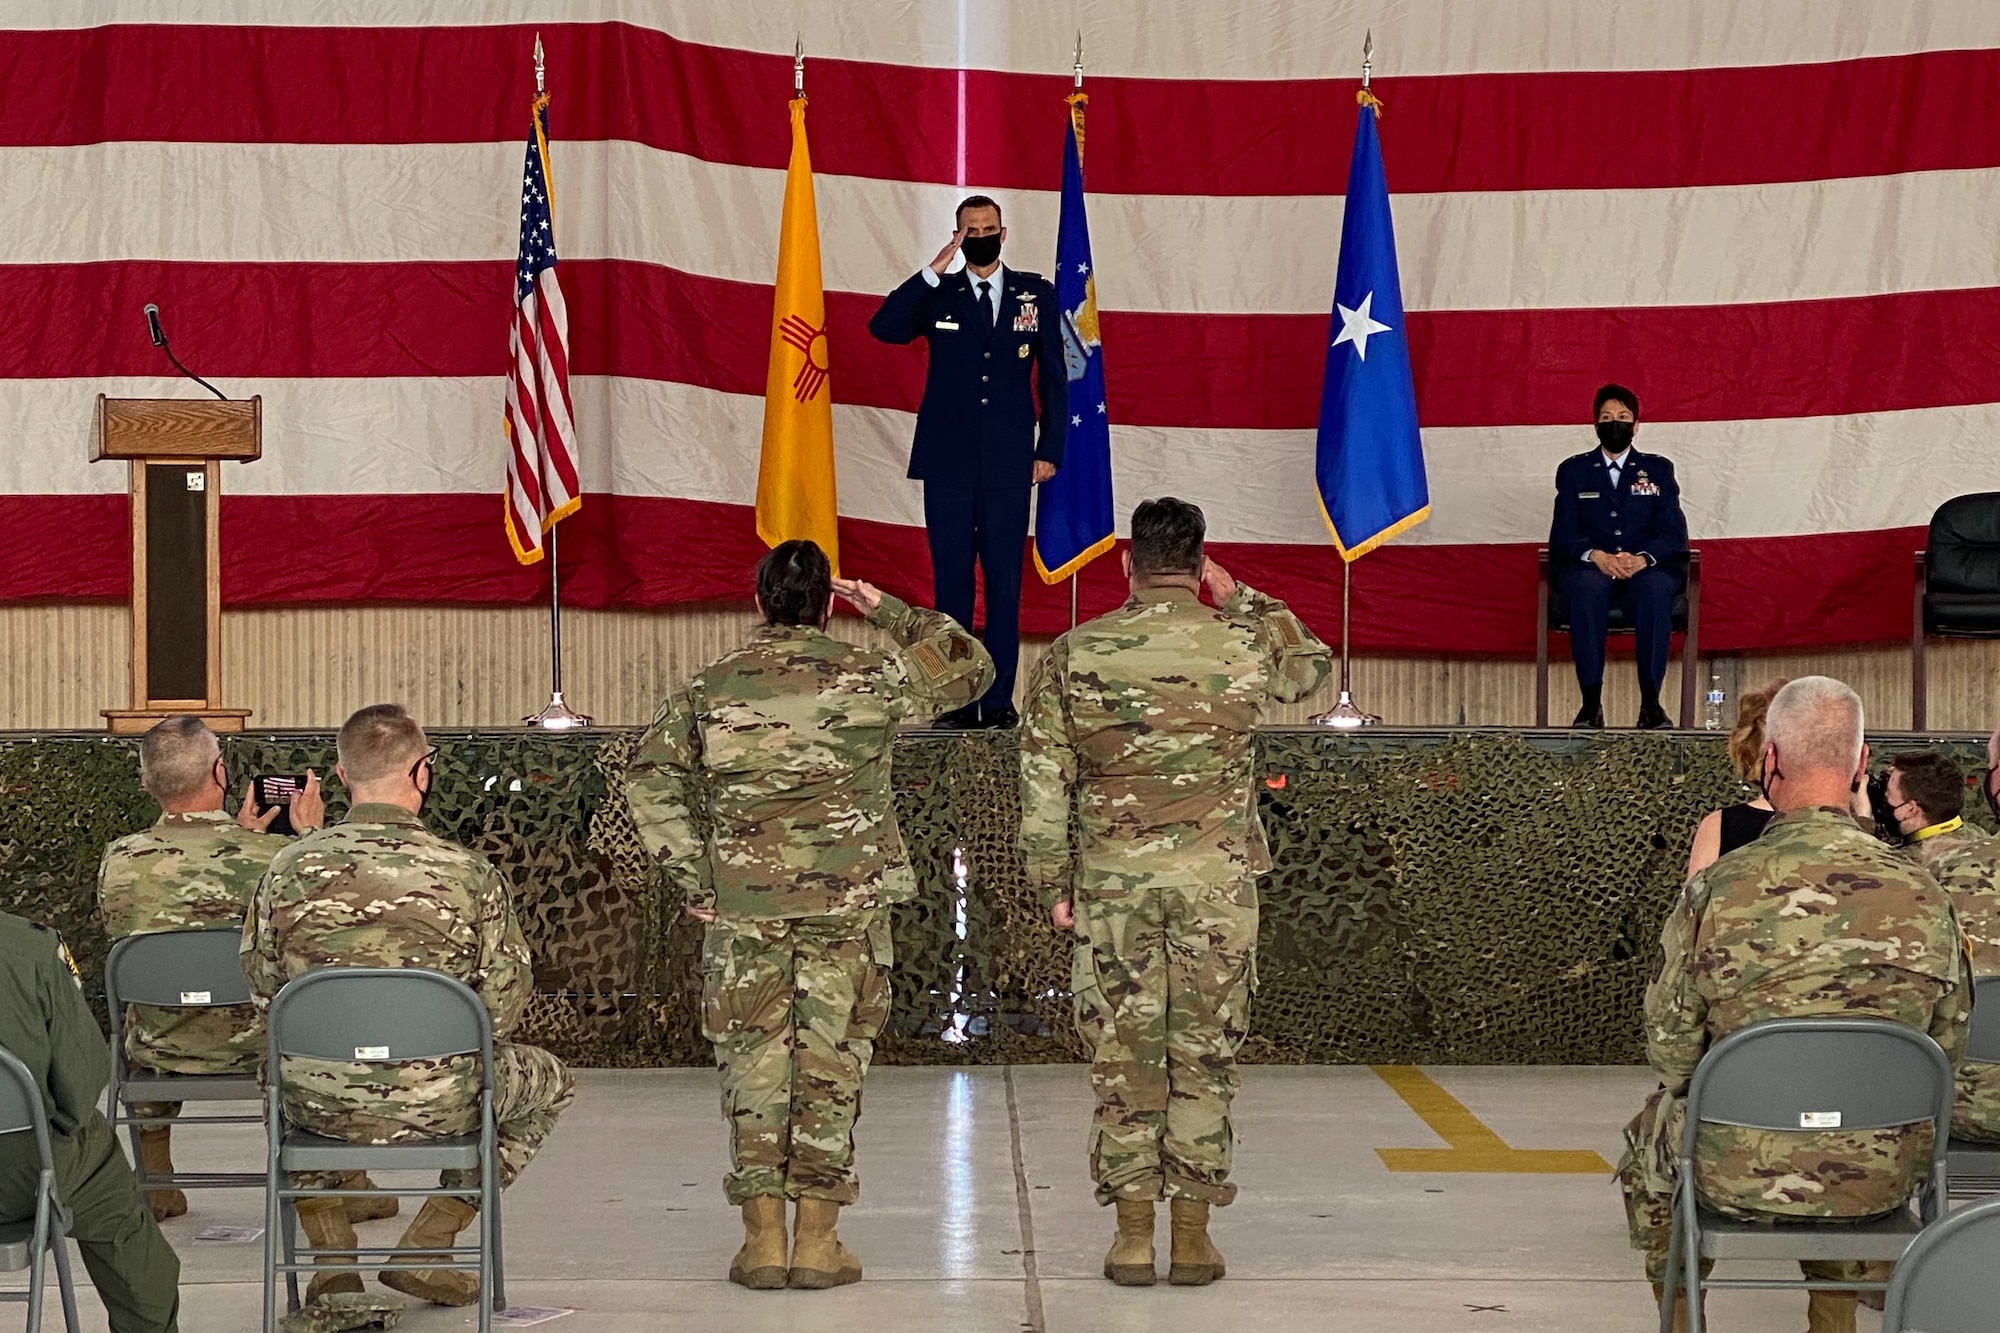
[(1779, 220)]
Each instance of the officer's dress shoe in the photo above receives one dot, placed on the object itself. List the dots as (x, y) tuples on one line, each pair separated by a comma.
[(999, 719), (1589, 717), (1652, 717), (959, 719)]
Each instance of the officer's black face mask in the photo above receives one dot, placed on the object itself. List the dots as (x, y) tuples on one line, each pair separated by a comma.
[(980, 251), (1615, 436)]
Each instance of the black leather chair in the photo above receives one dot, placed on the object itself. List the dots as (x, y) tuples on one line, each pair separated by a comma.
[(1552, 617), (1957, 589)]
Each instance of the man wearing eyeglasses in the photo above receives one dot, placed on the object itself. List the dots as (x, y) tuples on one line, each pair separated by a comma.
[(378, 889)]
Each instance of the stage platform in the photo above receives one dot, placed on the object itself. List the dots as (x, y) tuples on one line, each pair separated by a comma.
[(1458, 896), (976, 1214)]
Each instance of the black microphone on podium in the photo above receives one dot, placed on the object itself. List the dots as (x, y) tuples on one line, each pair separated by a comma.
[(160, 341)]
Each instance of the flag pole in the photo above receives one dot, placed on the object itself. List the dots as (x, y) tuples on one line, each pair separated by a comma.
[(1345, 713), (558, 716), (1079, 149)]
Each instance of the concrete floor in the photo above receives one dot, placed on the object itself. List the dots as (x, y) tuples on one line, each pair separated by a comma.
[(976, 1215)]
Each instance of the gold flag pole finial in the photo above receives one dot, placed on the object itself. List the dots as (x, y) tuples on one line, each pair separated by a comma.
[(541, 68), (799, 67), (1079, 61)]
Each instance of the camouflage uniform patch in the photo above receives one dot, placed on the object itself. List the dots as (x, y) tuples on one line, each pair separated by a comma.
[(379, 890), (194, 871), (1142, 722), (762, 789), (1969, 870), (1816, 917)]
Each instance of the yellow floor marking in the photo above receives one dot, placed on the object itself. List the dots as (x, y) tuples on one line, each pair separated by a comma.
[(1474, 1147)]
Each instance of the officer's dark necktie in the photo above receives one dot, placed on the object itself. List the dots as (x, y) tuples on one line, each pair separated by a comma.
[(986, 306), (1616, 470)]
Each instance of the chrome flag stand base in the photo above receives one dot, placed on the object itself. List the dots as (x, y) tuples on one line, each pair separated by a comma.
[(558, 716), (1345, 714)]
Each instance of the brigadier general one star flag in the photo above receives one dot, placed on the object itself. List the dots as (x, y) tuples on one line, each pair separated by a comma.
[(795, 491), (542, 486), (1370, 461), (1073, 514)]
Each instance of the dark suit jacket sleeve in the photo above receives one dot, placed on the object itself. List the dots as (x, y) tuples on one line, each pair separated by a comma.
[(1670, 540), (1567, 543), (901, 318), (1053, 372)]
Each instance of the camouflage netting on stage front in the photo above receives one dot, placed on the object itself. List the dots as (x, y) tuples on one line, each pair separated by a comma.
[(1465, 897)]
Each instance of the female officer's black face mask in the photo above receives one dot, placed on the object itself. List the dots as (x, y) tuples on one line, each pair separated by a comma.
[(1615, 436)]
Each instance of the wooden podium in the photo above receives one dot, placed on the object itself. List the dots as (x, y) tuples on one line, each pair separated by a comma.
[(175, 448)]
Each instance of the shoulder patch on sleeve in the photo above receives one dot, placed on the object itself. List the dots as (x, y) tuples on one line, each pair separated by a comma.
[(1285, 629), (929, 661)]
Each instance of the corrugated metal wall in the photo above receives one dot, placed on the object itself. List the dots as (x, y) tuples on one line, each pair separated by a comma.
[(460, 666)]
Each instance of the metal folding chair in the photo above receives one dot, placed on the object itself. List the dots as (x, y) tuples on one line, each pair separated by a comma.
[(1975, 1166), (185, 969), (27, 1244), (391, 1015), (1948, 1281), (1806, 1073)]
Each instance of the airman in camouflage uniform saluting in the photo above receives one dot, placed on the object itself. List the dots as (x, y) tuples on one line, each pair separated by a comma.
[(195, 869), (1146, 716), (1814, 918), (380, 890), (763, 790)]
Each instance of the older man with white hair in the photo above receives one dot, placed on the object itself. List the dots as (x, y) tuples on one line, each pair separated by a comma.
[(1816, 917)]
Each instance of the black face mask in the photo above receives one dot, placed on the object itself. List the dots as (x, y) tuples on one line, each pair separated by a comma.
[(1615, 436), (979, 251)]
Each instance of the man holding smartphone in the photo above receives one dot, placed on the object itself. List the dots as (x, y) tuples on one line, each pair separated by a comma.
[(995, 339), (194, 869)]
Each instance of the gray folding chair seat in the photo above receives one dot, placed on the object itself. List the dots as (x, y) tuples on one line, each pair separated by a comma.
[(1949, 1279), (28, 1244), (183, 969), (389, 1014), (1975, 1166), (1806, 1073)]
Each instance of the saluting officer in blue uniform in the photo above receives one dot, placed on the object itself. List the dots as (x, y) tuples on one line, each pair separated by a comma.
[(995, 347), (1619, 538)]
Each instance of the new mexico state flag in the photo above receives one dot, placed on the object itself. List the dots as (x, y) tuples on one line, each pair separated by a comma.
[(795, 491)]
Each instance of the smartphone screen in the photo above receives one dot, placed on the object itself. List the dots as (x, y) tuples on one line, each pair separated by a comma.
[(278, 789)]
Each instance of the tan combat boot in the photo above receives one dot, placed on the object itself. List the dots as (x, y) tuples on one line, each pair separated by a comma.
[(1130, 1262), (368, 1209), (1830, 1311), (819, 1260), (1680, 1323), (1194, 1261), (760, 1264), (326, 1226), (156, 1155), (436, 1227)]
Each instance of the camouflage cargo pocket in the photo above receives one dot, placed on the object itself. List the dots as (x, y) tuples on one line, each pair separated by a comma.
[(1093, 1011), (871, 987), (744, 988)]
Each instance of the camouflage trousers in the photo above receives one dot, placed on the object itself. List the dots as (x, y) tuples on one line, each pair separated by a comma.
[(794, 1008), (1162, 989), (1976, 1116), (531, 1088), (1760, 1176)]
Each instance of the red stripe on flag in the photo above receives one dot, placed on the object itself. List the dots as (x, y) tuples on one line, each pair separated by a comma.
[(1629, 129), (1474, 368)]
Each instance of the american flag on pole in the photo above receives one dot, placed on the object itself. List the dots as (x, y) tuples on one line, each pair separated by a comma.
[(541, 434)]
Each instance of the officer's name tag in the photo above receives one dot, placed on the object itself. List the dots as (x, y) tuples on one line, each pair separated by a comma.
[(951, 324), (371, 1052), (194, 997), (1819, 1120), (1590, 495)]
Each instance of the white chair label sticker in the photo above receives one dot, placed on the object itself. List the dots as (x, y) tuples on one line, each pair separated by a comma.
[(382, 1053), (1819, 1120), (194, 997)]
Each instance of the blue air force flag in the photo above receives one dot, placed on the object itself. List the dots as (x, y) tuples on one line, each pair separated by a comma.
[(1370, 461), (1073, 515)]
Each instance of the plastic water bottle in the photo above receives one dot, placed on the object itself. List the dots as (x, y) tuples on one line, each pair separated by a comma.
[(1712, 702)]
